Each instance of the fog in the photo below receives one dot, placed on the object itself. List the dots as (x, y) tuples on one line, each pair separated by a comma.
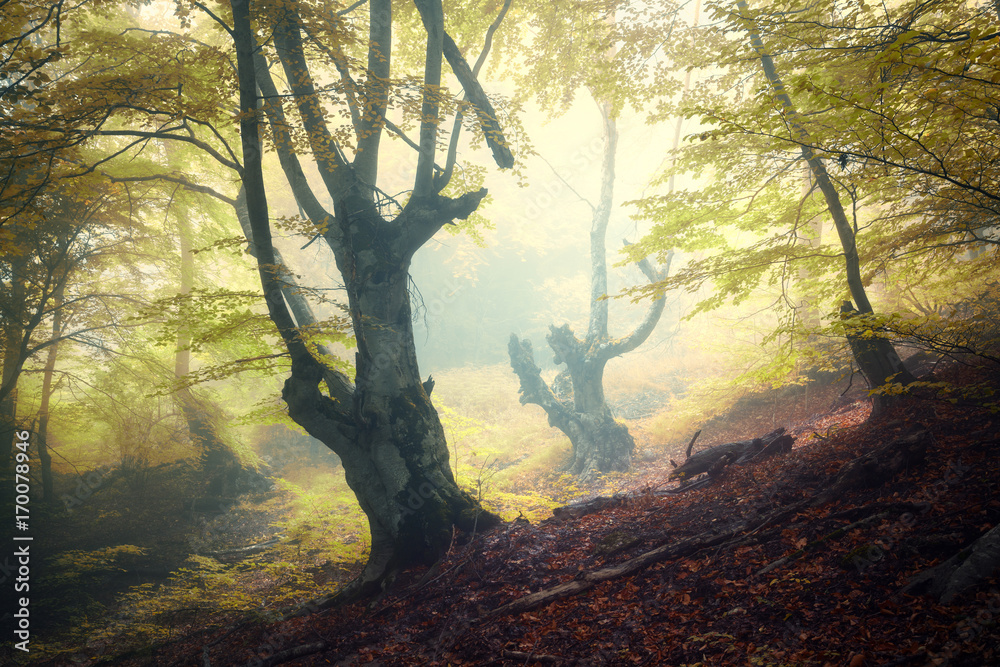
[(196, 452)]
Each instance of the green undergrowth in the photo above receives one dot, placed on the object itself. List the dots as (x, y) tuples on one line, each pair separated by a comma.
[(321, 537)]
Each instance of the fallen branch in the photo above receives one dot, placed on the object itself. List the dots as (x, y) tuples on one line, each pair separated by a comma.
[(531, 657), (681, 549), (290, 654), (690, 485), (812, 546), (244, 551), (714, 459), (880, 465), (687, 547), (598, 504)]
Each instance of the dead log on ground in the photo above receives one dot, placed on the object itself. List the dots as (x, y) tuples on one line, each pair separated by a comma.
[(242, 552), (745, 532), (902, 451), (714, 459), (598, 504), (680, 549), (290, 654)]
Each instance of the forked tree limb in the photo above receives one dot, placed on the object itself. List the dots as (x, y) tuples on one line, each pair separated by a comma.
[(487, 116)]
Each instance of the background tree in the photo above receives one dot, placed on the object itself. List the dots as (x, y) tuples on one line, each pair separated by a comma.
[(874, 353), (78, 233), (579, 409), (599, 442), (846, 103)]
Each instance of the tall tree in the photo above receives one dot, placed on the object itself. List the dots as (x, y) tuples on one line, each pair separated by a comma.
[(899, 98), (44, 456), (146, 88), (383, 425), (219, 462), (579, 52), (80, 230), (875, 354)]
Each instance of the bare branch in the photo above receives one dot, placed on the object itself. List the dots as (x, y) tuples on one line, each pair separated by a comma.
[(442, 180), (188, 185), (432, 15)]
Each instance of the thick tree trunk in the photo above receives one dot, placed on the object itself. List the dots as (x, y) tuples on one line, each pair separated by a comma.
[(600, 444), (384, 427), (875, 356), (389, 438)]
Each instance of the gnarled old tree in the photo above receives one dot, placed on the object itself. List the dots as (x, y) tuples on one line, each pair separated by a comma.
[(383, 425), (599, 442)]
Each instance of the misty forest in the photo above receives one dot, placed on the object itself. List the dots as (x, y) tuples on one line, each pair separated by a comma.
[(494, 332)]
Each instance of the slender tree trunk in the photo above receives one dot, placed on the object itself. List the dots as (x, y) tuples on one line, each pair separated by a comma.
[(217, 460), (8, 404), (874, 353), (48, 492), (12, 363), (810, 235)]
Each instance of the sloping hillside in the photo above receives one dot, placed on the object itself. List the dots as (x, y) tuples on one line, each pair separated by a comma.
[(800, 559)]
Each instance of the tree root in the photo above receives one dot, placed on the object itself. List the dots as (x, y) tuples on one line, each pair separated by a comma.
[(962, 571), (880, 465)]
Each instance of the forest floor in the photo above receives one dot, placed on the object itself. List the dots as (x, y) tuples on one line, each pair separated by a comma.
[(774, 563)]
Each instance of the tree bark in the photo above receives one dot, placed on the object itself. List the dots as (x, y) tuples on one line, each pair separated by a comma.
[(599, 442), (13, 360), (383, 427), (962, 572), (715, 458), (877, 354)]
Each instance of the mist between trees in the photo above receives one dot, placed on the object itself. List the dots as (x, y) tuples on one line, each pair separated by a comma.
[(277, 271)]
